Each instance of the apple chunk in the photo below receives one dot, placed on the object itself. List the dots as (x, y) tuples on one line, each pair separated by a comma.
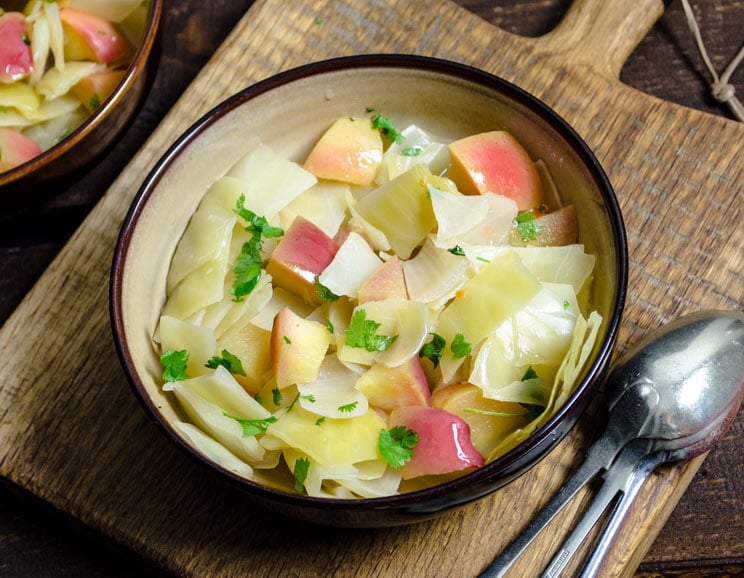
[(298, 347), (16, 60), (387, 282), (390, 387), (15, 149), (349, 151), (89, 37), (444, 444), (300, 256), (95, 88), (495, 162)]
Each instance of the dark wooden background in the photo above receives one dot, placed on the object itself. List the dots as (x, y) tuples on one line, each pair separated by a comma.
[(35, 541)]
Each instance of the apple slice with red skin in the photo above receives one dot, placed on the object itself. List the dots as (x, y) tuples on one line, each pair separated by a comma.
[(444, 444), (495, 162), (89, 37), (388, 388), (298, 347), (387, 282), (16, 60), (95, 88), (15, 149), (350, 151), (299, 257)]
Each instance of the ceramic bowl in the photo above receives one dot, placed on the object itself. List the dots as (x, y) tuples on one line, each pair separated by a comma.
[(39, 177), (289, 112)]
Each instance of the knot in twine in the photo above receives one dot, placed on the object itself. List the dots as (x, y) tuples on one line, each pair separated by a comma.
[(721, 90)]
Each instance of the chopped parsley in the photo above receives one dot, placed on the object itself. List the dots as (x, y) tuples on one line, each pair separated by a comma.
[(324, 292), (95, 102), (362, 332), (396, 445), (276, 396), (247, 267), (348, 408), (460, 346), (528, 226), (174, 364), (26, 39), (329, 326), (310, 398), (301, 468), (529, 374), (320, 420), (259, 399), (252, 427), (456, 250), (386, 128), (228, 361), (413, 151), (434, 349), (287, 340)]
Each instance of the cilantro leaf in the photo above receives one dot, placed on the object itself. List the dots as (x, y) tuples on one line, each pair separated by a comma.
[(301, 468), (386, 128), (433, 350), (362, 332), (174, 364), (456, 250), (276, 396), (529, 374), (324, 292), (348, 408), (228, 361), (396, 445), (252, 427), (460, 346), (413, 151), (528, 226), (248, 265)]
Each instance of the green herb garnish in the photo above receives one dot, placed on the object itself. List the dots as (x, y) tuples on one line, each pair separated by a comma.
[(413, 151), (362, 332), (95, 101), (348, 408), (528, 226), (386, 128), (434, 350), (324, 292), (252, 427), (174, 364), (228, 361), (456, 250), (276, 396), (301, 468), (460, 346), (396, 445)]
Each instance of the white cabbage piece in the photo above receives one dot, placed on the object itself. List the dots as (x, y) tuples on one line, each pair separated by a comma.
[(434, 275), (200, 342), (48, 133), (55, 82), (496, 225), (56, 34), (40, 45), (333, 394), (357, 223), (21, 97), (213, 450), (199, 289), (324, 204), (350, 267), (567, 264), (228, 313), (272, 182), (415, 148), (456, 214)]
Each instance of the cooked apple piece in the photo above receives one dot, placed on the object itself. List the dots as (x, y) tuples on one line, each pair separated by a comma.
[(390, 387), (252, 346), (16, 60), (495, 162), (298, 347), (89, 37), (15, 149), (95, 88), (349, 151), (387, 282), (555, 229), (490, 421), (300, 256), (444, 443)]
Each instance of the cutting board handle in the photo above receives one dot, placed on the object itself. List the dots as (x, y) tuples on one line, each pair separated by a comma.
[(602, 34)]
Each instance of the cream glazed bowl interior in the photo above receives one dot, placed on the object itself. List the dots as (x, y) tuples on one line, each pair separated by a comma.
[(289, 112)]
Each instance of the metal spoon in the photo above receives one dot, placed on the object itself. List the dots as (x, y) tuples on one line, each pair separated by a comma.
[(680, 384)]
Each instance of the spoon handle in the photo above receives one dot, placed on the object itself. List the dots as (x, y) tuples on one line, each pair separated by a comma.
[(643, 469), (617, 479)]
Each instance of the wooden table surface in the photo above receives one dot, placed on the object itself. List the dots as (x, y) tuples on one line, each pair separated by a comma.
[(35, 541)]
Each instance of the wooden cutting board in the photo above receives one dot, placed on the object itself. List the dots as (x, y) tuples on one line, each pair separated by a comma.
[(72, 432)]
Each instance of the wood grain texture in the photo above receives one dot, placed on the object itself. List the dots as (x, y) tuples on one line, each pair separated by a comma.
[(173, 512)]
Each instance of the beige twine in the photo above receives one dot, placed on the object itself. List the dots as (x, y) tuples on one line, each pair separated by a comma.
[(720, 88)]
